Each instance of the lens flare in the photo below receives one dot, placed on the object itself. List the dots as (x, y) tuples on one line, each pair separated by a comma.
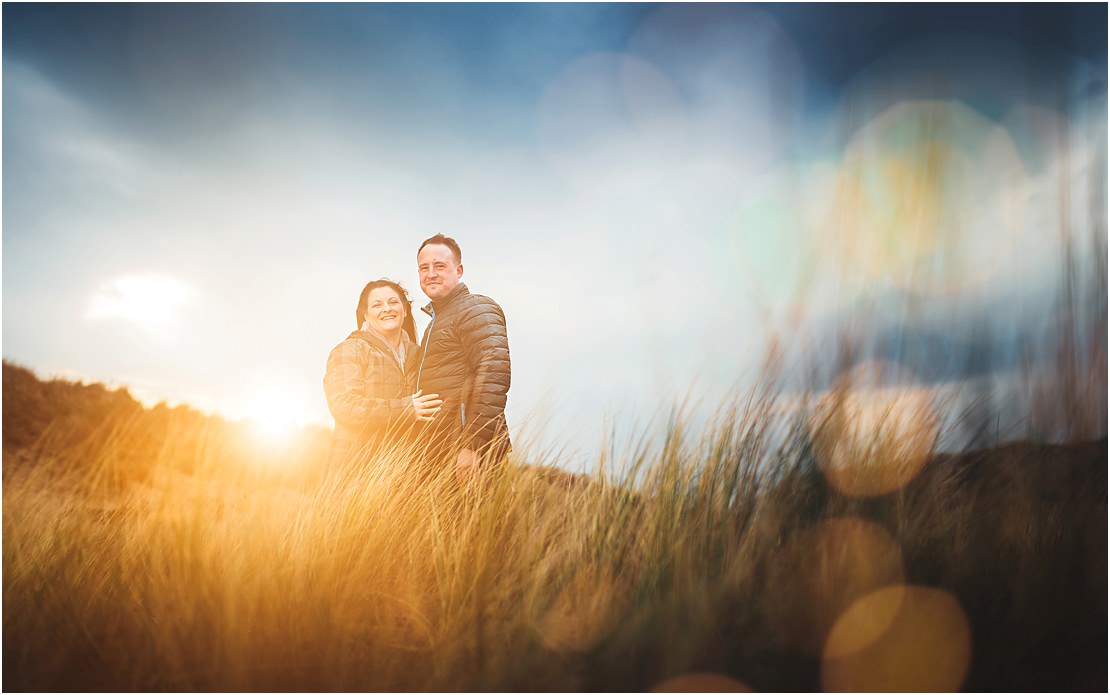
[(928, 199), (823, 569), (701, 683), (577, 619), (898, 639), (873, 433), (775, 232), (741, 74), (1041, 134), (609, 100)]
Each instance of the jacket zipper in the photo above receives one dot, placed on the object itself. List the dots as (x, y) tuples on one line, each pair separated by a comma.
[(427, 340)]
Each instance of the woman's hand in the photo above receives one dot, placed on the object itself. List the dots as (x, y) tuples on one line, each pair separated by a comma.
[(426, 407)]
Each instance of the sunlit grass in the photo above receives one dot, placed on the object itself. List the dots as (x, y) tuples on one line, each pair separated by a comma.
[(163, 550)]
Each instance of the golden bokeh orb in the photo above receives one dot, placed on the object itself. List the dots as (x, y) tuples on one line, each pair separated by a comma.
[(702, 683), (898, 639), (581, 612), (873, 433), (825, 568)]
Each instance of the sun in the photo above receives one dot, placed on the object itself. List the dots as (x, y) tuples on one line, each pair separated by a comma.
[(274, 414)]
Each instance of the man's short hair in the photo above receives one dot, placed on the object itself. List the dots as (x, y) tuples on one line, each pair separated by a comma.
[(446, 241)]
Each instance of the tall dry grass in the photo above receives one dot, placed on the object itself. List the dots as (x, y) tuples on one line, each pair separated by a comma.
[(164, 550)]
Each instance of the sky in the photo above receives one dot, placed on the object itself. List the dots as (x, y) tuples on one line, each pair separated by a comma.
[(193, 195)]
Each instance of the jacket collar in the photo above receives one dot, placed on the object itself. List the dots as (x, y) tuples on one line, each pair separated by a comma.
[(436, 306), (376, 339)]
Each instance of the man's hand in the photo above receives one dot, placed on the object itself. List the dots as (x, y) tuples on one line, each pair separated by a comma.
[(425, 407), (466, 465)]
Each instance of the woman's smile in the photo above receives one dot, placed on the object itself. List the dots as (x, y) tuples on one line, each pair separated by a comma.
[(384, 311)]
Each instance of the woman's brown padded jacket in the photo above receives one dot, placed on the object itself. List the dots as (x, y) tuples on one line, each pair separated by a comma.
[(368, 395)]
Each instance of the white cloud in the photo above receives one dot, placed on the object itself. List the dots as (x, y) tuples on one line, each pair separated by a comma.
[(149, 300)]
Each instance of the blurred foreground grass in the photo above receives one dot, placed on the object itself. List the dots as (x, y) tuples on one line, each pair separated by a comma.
[(165, 550)]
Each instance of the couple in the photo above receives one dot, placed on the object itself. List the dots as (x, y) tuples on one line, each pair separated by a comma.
[(447, 395)]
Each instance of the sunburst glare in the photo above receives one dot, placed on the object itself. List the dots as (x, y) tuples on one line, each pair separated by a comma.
[(274, 415)]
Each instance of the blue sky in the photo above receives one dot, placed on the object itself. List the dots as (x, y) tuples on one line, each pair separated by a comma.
[(194, 194)]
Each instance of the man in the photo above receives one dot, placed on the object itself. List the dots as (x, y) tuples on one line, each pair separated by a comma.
[(464, 357)]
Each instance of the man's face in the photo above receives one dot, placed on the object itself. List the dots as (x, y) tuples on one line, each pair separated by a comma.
[(439, 273)]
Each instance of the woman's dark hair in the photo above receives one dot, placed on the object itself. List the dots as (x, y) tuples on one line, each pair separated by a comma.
[(408, 324)]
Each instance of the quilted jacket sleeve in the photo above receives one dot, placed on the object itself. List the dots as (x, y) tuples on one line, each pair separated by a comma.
[(486, 345), (356, 375)]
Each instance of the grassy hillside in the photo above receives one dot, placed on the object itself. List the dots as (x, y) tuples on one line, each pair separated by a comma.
[(160, 549)]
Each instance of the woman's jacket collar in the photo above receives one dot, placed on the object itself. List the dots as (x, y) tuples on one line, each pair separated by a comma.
[(378, 340)]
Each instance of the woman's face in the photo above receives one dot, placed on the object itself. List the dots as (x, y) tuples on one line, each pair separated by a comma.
[(385, 311)]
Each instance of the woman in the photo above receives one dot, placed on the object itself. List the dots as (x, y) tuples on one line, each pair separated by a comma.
[(365, 383)]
